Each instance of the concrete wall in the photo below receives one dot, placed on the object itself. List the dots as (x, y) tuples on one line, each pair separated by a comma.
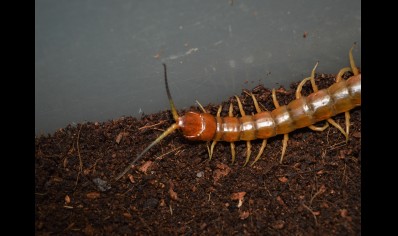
[(98, 60)]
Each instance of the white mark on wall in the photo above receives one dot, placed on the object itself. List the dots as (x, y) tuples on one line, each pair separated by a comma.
[(248, 60), (176, 56), (232, 63)]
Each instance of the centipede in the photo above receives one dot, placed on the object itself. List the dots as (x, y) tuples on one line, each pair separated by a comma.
[(304, 111)]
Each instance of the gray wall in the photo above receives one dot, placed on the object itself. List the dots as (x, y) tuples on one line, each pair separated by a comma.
[(98, 60)]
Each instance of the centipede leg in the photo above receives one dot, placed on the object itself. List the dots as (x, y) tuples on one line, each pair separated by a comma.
[(210, 150), (248, 144), (201, 107), (285, 136), (230, 114), (264, 144), (352, 62), (339, 77), (315, 88)]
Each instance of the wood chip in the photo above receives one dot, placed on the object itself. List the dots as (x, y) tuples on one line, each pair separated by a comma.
[(244, 214), (222, 171), (120, 136), (93, 195), (67, 199), (127, 215), (238, 195), (283, 179), (280, 200), (278, 224)]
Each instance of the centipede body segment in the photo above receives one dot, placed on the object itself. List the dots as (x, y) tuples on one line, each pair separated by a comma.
[(304, 111)]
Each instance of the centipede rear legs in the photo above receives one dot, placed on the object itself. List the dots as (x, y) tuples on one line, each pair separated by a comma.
[(339, 77)]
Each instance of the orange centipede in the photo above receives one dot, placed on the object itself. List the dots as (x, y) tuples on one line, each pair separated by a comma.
[(304, 111)]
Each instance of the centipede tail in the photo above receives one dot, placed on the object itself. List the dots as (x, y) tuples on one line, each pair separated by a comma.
[(304, 111)]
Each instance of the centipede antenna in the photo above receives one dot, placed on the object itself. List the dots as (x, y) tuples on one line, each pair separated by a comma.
[(162, 136), (352, 62), (173, 108)]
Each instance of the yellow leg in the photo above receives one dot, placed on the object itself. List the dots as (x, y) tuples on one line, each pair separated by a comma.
[(347, 124), (285, 136), (315, 88), (210, 150), (233, 151), (248, 153), (284, 141), (201, 107), (352, 62), (319, 129), (264, 143), (230, 114), (248, 144), (242, 112), (339, 77)]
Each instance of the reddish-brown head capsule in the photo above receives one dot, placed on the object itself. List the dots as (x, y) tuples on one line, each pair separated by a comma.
[(197, 126)]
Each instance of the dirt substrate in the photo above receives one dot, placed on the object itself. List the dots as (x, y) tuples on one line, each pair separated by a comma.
[(176, 190)]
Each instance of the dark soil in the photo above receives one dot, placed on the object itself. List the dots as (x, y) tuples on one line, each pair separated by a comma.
[(176, 190)]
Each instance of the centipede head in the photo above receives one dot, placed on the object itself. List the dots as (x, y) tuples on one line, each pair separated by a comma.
[(194, 125), (197, 126)]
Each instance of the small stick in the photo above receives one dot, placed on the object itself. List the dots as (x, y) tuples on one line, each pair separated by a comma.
[(78, 154), (150, 126)]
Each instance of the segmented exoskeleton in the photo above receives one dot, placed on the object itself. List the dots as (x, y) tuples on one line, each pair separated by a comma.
[(320, 105)]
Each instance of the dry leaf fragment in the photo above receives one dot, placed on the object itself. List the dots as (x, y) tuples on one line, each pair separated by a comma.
[(357, 134), (238, 196), (119, 137), (173, 195), (89, 230), (131, 177), (145, 166)]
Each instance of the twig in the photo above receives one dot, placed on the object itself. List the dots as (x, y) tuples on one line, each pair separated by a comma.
[(149, 126), (312, 212), (322, 189), (80, 158), (337, 145), (175, 149), (344, 175)]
